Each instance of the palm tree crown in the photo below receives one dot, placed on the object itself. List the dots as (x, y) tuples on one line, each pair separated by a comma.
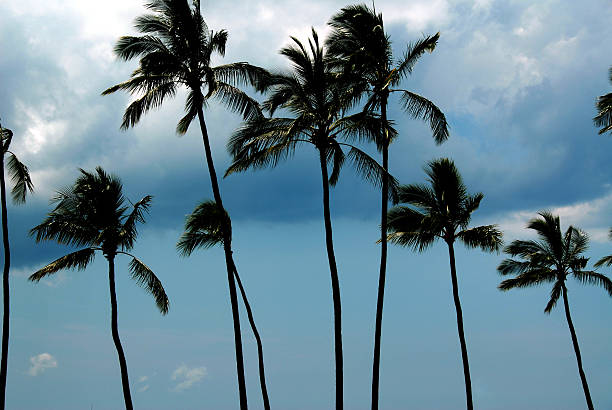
[(603, 119), (318, 97), (93, 213), (551, 259), (19, 173), (176, 49), (440, 210)]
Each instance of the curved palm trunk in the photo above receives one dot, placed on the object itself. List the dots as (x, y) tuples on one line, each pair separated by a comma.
[(464, 353), (5, 288), (262, 372), (585, 386), (114, 330), (229, 262), (383, 265), (335, 285)]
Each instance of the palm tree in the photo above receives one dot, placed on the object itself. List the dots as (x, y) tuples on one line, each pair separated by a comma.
[(603, 118), (606, 260), (22, 183), (175, 49), (359, 41), (551, 259), (203, 229), (93, 214), (442, 210), (314, 94)]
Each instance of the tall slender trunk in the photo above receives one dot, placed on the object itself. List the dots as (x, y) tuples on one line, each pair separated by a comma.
[(335, 285), (5, 288), (585, 386), (229, 262), (125, 382), (464, 353), (383, 263), (262, 372)]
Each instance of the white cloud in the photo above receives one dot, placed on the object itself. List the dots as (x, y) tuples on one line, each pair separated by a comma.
[(591, 216), (41, 363), (187, 377), (143, 388), (143, 379)]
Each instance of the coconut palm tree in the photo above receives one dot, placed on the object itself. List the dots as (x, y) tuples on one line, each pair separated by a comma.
[(551, 259), (203, 229), (93, 214), (176, 49), (314, 93), (603, 119), (606, 260), (442, 209), (359, 41), (22, 184)]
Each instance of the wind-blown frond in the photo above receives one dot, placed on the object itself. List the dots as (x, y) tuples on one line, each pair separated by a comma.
[(411, 228), (128, 232), (594, 278), (420, 107), (414, 51), (487, 237), (372, 171), (20, 176), (554, 296), (237, 101), (145, 277), (203, 228), (75, 260), (152, 99), (529, 278)]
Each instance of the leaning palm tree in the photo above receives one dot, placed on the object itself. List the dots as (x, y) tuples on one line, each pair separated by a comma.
[(551, 259), (442, 209), (603, 119), (93, 214), (22, 184), (317, 98), (359, 41), (176, 49), (203, 229)]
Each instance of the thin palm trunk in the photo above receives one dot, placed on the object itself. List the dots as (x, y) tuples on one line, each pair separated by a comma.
[(5, 288), (262, 372), (335, 285), (125, 382), (464, 353), (229, 262), (585, 386), (383, 264)]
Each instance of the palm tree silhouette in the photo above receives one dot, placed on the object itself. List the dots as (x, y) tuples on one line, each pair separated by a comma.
[(606, 260), (175, 50), (203, 229), (20, 177), (314, 94), (551, 259), (359, 41), (603, 119), (93, 213), (442, 210)]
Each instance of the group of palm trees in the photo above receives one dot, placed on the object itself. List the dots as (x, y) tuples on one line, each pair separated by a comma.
[(335, 95)]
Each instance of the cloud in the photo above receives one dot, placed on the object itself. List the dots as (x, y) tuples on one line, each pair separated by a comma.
[(187, 377), (41, 363), (143, 388)]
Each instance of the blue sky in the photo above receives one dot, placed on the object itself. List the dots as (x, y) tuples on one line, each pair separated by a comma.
[(517, 81)]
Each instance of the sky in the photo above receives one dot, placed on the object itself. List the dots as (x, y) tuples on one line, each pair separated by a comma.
[(517, 81)]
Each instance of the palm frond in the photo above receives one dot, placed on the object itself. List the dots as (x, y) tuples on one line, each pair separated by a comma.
[(529, 278), (420, 107), (603, 119), (129, 47), (606, 260), (128, 233), (336, 157), (20, 177), (594, 278), (243, 74), (238, 101), (191, 109), (145, 277), (414, 51), (203, 228), (153, 98), (487, 237), (372, 171), (75, 260), (554, 296), (409, 227)]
